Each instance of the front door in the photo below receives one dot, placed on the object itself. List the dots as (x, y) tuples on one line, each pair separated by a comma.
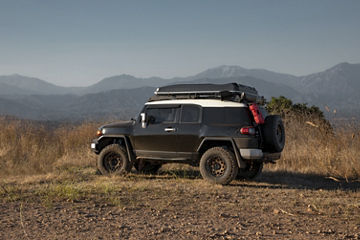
[(159, 138)]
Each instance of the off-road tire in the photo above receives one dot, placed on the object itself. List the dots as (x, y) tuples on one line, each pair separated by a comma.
[(218, 165), (113, 160), (274, 134), (252, 170), (146, 167)]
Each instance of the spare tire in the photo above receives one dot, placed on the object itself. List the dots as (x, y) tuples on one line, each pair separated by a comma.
[(274, 134)]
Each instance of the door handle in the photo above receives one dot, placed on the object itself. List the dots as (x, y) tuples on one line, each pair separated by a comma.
[(170, 129)]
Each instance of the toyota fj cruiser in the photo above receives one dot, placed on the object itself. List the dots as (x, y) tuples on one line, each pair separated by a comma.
[(222, 128)]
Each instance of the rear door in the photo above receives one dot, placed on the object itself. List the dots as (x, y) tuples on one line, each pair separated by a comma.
[(189, 130)]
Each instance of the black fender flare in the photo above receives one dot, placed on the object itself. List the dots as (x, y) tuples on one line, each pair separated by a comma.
[(123, 139), (240, 161)]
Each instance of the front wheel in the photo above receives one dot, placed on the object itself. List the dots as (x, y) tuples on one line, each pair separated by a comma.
[(113, 159), (218, 165)]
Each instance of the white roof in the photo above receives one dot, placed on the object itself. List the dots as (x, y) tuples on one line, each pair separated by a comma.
[(200, 102)]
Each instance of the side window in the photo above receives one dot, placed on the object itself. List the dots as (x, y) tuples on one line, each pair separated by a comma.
[(161, 115), (227, 115), (190, 114)]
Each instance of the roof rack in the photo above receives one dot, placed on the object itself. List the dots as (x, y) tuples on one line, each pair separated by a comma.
[(231, 92)]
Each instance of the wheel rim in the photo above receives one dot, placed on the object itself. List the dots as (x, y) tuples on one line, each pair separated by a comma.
[(216, 166), (112, 162)]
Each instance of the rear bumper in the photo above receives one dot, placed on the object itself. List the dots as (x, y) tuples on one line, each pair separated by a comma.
[(258, 154), (251, 153)]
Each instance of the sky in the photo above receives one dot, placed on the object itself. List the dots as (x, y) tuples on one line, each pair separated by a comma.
[(79, 42)]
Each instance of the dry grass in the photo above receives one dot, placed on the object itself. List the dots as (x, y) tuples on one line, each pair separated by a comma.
[(156, 207), (311, 147), (28, 147)]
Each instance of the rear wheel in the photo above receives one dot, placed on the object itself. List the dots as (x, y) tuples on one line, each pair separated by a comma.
[(218, 165), (252, 170), (113, 159)]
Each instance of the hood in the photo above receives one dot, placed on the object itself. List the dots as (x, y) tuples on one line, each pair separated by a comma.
[(121, 124), (118, 128)]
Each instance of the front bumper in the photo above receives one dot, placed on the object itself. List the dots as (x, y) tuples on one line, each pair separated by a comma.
[(94, 146)]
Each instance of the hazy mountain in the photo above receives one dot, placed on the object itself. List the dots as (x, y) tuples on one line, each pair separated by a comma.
[(221, 72), (115, 104), (264, 88), (19, 109), (6, 89), (18, 84), (226, 71), (124, 95), (337, 88), (124, 82), (341, 81), (123, 103)]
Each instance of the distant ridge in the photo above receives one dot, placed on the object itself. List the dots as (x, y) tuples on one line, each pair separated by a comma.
[(225, 71), (18, 84), (336, 88)]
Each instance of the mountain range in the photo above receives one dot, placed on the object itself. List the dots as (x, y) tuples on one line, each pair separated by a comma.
[(122, 96)]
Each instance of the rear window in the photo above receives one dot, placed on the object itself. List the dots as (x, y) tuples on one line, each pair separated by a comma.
[(190, 114), (227, 115)]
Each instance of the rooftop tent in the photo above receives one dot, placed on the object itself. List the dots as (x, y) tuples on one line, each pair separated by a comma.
[(229, 91)]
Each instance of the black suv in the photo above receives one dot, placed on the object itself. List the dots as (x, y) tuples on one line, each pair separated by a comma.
[(223, 129)]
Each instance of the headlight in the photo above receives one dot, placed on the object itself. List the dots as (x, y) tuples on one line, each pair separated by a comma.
[(99, 133)]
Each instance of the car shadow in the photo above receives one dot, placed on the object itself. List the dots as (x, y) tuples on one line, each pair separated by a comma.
[(296, 180), (277, 180), (180, 173)]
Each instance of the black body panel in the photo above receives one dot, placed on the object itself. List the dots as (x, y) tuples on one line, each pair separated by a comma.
[(124, 128), (155, 138), (188, 137), (160, 135), (177, 132)]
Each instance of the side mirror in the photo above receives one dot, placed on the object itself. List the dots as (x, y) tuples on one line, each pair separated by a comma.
[(143, 120)]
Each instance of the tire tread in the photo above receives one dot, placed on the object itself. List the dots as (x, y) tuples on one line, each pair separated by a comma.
[(117, 149), (224, 153)]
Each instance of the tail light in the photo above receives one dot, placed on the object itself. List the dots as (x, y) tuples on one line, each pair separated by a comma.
[(258, 117), (248, 131)]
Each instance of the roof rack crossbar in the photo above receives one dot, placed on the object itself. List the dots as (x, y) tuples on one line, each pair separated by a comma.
[(194, 92)]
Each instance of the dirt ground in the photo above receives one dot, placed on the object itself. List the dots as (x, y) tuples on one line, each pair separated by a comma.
[(79, 204)]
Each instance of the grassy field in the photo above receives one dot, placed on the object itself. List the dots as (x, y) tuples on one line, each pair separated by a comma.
[(49, 189), (28, 148), (76, 203)]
